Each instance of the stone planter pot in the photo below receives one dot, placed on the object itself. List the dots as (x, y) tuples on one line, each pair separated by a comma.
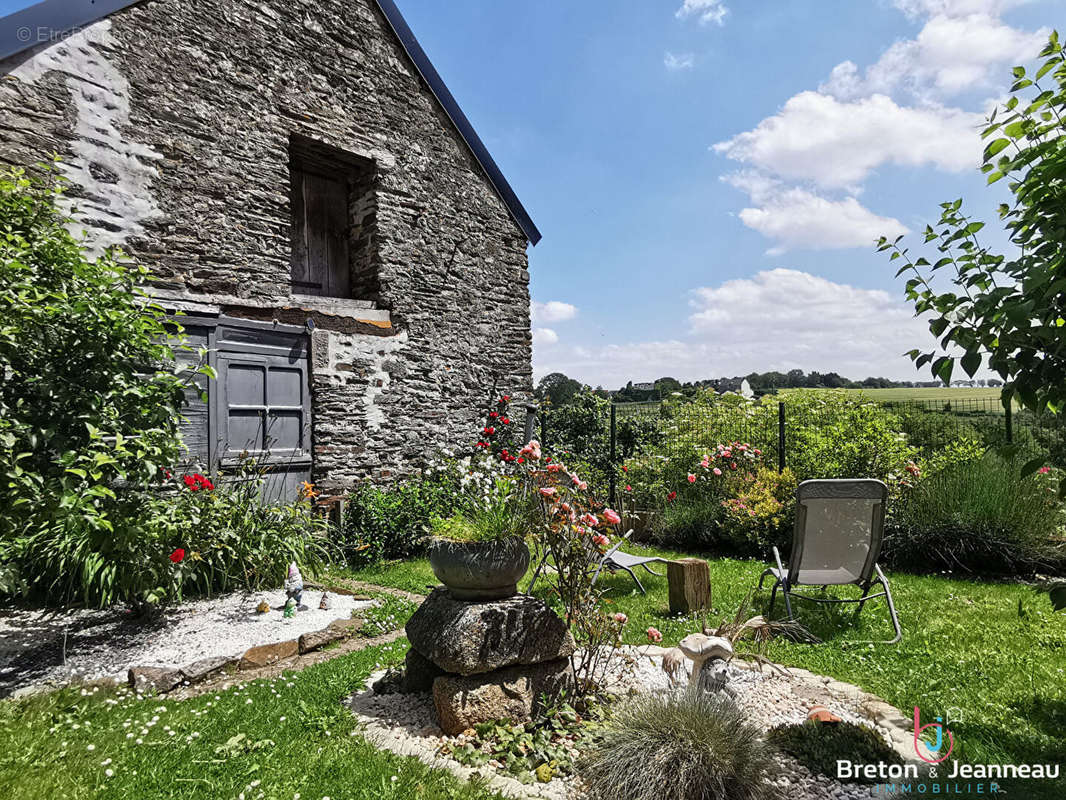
[(479, 570)]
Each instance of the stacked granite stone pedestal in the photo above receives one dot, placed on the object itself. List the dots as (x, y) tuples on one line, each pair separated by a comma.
[(485, 660)]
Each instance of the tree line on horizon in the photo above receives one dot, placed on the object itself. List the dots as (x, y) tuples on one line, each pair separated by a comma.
[(558, 388)]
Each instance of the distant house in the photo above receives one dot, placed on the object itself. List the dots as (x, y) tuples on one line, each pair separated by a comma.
[(313, 200)]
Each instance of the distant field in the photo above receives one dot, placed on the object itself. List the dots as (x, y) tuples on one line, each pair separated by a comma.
[(928, 394)]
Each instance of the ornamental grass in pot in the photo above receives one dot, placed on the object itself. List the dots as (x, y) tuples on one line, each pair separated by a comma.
[(481, 553)]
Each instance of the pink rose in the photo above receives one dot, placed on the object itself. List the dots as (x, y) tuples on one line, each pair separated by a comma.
[(1044, 470), (691, 478), (590, 520), (705, 463), (654, 635), (600, 540), (583, 486), (621, 618), (717, 471), (611, 516), (548, 491)]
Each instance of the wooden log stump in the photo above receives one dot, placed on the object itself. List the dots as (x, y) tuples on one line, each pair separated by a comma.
[(690, 585)]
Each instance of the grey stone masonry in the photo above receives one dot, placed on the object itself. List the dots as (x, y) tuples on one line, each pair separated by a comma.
[(173, 121)]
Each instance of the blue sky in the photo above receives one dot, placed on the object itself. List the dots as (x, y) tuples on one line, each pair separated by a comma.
[(709, 175)]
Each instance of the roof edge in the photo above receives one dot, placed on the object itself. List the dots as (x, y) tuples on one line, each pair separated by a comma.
[(49, 21), (459, 120)]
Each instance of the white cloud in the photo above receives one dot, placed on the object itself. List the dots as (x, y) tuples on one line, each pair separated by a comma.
[(916, 9), (553, 311), (949, 55), (678, 61), (837, 144), (708, 11), (798, 219), (779, 319), (544, 336)]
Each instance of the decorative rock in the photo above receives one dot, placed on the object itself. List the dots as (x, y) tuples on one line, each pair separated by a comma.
[(347, 627), (200, 670), (267, 654), (419, 672), (262, 608), (472, 638), (511, 693), (316, 639), (162, 679), (326, 603)]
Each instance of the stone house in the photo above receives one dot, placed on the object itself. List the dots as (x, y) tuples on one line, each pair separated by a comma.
[(312, 200)]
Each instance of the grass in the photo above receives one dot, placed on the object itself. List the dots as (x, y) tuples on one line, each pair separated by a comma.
[(264, 740), (992, 656), (918, 393)]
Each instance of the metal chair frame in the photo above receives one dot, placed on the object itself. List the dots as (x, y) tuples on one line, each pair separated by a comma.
[(871, 574)]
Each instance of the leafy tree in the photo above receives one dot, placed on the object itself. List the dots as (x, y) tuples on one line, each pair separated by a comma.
[(557, 388), (1006, 309)]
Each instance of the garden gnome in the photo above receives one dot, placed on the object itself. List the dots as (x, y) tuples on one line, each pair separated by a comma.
[(709, 655), (294, 584), (326, 603)]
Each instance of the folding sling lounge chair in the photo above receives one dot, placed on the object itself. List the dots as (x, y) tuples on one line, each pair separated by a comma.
[(614, 560), (836, 542)]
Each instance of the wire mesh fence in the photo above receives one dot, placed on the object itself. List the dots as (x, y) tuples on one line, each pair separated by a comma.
[(782, 430)]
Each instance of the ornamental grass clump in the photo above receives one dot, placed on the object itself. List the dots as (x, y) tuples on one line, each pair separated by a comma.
[(688, 745)]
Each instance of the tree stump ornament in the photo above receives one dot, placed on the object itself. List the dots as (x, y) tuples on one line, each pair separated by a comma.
[(689, 581)]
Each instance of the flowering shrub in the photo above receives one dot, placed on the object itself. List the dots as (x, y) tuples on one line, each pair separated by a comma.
[(762, 511), (89, 391), (186, 534), (575, 531)]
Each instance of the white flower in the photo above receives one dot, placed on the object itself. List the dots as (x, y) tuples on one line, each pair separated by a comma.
[(90, 747)]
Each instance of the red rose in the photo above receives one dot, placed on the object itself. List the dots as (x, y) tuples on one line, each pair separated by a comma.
[(521, 460), (671, 496), (505, 399), (493, 415), (191, 482), (489, 430), (505, 421), (177, 556)]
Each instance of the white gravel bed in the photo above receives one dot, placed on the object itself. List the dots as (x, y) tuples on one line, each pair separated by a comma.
[(406, 724), (40, 649)]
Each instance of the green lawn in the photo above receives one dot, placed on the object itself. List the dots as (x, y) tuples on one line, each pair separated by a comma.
[(990, 655), (295, 739), (917, 393)]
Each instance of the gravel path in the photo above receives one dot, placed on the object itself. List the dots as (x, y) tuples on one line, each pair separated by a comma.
[(41, 649), (406, 724)]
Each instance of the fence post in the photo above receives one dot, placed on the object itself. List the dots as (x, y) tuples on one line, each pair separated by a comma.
[(780, 436), (614, 449), (1009, 421), (531, 423)]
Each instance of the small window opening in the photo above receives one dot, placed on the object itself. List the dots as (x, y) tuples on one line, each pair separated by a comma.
[(334, 221)]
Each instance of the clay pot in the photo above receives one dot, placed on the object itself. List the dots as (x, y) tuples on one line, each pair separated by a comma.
[(479, 570)]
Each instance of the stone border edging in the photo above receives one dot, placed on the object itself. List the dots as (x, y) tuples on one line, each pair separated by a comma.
[(259, 657)]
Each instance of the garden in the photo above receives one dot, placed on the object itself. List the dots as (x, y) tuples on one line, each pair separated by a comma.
[(475, 628)]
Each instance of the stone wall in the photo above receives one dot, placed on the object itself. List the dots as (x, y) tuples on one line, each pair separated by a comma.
[(173, 120)]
